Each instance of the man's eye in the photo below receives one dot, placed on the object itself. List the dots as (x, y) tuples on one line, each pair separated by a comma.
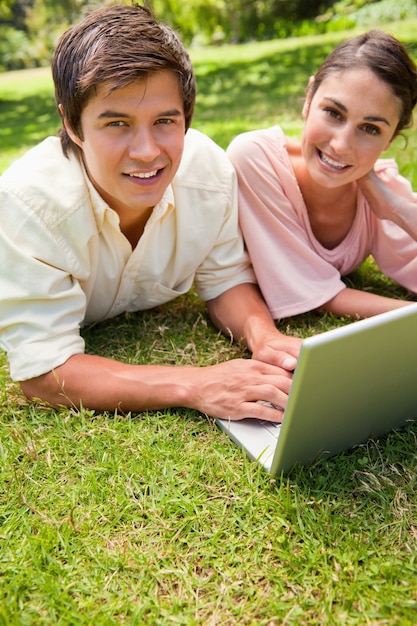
[(117, 123), (165, 120)]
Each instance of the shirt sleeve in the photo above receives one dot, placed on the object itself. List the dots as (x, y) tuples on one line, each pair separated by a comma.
[(291, 274), (41, 305), (394, 250), (207, 199), (227, 264)]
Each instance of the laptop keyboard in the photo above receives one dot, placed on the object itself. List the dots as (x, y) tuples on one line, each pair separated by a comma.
[(271, 427)]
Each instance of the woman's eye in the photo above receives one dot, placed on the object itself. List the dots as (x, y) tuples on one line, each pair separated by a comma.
[(332, 113), (371, 130)]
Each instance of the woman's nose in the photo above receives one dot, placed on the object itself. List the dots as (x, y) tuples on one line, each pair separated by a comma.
[(342, 140)]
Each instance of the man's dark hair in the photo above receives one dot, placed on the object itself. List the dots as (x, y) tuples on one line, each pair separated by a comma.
[(112, 47)]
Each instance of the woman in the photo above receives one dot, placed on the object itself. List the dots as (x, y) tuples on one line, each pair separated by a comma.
[(313, 210)]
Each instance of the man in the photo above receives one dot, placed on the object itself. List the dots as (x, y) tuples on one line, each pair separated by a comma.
[(126, 210)]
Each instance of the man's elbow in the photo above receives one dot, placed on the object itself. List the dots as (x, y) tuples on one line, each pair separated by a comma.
[(45, 389)]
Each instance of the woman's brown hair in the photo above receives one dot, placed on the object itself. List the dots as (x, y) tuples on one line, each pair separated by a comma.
[(386, 57)]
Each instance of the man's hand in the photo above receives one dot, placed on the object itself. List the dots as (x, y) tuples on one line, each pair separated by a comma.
[(242, 388), (229, 390)]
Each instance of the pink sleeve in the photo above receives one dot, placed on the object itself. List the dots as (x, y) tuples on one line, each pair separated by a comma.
[(291, 274), (394, 251)]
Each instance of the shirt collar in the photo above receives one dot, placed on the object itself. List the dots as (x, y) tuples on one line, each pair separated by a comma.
[(102, 211)]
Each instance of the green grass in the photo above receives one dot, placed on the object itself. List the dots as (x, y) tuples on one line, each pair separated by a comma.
[(157, 518), (28, 112)]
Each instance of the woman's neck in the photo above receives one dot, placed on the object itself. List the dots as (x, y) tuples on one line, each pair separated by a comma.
[(331, 211)]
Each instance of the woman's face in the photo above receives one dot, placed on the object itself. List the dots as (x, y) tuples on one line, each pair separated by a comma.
[(349, 121)]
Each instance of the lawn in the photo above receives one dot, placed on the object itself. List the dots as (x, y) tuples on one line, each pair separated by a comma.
[(157, 518)]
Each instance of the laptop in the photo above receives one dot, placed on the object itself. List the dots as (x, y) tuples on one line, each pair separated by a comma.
[(351, 383)]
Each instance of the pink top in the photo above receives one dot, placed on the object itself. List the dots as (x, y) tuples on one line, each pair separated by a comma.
[(295, 272)]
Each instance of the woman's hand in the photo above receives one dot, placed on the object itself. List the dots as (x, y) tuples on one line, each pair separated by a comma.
[(388, 204)]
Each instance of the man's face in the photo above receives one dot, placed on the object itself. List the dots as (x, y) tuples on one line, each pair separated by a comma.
[(133, 141)]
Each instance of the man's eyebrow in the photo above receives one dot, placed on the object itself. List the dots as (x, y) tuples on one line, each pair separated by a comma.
[(171, 113), (109, 114), (369, 118)]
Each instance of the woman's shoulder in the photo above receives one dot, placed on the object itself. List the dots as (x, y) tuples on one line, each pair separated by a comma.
[(266, 145), (272, 135)]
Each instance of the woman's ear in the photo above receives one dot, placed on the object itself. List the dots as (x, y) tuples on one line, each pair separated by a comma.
[(68, 128), (309, 95)]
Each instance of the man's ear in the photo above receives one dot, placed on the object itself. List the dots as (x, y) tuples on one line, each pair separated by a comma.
[(309, 95), (68, 128)]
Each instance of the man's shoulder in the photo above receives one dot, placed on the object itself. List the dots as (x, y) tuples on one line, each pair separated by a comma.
[(44, 177), (195, 139), (46, 154), (203, 161)]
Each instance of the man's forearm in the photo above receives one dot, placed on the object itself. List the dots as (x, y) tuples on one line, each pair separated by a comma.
[(229, 390), (104, 384), (242, 314)]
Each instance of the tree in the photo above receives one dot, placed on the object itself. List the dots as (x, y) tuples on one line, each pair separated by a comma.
[(5, 10)]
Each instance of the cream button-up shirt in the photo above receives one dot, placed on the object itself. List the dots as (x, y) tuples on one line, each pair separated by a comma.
[(64, 261)]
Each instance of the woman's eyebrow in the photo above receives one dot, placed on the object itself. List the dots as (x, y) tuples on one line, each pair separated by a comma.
[(368, 118)]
